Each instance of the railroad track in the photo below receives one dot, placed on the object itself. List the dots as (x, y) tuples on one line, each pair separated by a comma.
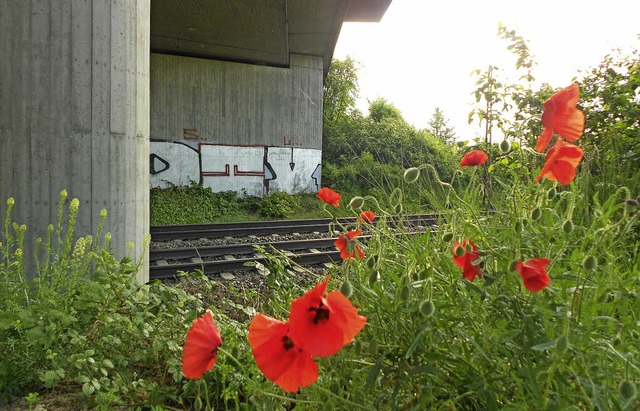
[(167, 263)]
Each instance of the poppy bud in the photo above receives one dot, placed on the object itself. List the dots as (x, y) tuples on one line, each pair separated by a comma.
[(427, 308), (551, 194), (356, 202), (423, 274), (505, 146), (347, 289), (398, 209), (616, 341), (411, 175), (605, 297), (459, 251), (415, 275), (627, 390), (371, 262), (447, 237), (536, 214), (403, 295), (197, 404), (518, 226), (373, 277), (630, 205), (469, 248), (512, 265), (562, 343), (567, 227), (373, 348), (589, 263)]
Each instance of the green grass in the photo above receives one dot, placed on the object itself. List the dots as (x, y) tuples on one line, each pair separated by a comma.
[(196, 204)]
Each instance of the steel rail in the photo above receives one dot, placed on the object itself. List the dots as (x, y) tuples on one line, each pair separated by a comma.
[(220, 230), (234, 249), (219, 266), (250, 254)]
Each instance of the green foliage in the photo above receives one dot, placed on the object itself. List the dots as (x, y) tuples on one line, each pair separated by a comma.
[(611, 102), (278, 205), (440, 129), (340, 90), (196, 204), (380, 109), (83, 326), (366, 155)]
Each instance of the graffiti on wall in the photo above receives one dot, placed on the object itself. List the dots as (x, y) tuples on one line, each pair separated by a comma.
[(251, 170)]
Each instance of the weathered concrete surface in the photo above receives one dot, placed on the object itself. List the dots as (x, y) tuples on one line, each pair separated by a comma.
[(219, 102), (74, 96)]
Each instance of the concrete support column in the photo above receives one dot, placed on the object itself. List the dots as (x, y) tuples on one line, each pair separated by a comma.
[(74, 114)]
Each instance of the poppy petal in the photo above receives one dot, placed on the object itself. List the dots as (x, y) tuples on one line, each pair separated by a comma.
[(367, 216), (474, 158), (571, 125), (200, 347), (280, 359), (544, 139), (561, 116), (342, 243), (319, 334), (302, 372), (534, 274), (329, 196), (563, 172), (561, 162), (345, 315)]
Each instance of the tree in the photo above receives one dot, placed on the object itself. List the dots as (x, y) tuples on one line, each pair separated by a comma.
[(381, 109), (340, 90), (439, 127)]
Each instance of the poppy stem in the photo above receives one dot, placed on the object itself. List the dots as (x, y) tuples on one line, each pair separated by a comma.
[(346, 401), (234, 359)]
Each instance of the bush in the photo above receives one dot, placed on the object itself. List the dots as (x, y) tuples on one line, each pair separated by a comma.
[(278, 205), (86, 329)]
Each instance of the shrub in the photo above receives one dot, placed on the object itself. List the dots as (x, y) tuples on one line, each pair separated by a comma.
[(278, 205)]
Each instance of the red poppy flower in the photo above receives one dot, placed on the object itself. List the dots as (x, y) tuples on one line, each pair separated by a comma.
[(348, 247), (280, 359), (323, 324), (465, 261), (561, 116), (329, 196), (201, 347), (560, 165), (534, 273), (474, 158), (367, 217)]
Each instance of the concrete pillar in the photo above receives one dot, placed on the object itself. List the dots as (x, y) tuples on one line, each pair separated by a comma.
[(74, 114)]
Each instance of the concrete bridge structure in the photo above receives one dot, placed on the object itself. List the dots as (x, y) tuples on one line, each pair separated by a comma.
[(107, 98)]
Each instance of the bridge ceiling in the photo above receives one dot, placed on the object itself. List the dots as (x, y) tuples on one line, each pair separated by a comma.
[(255, 31)]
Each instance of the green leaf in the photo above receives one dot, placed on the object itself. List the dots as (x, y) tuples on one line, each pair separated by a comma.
[(87, 389), (373, 374), (544, 346), (415, 343)]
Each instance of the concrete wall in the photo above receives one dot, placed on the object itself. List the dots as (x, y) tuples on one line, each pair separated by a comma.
[(74, 106), (254, 170), (254, 128), (209, 101)]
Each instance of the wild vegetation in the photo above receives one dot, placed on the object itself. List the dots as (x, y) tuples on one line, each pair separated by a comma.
[(525, 298)]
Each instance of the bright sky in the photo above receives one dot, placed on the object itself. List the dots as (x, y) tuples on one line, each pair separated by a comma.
[(421, 54)]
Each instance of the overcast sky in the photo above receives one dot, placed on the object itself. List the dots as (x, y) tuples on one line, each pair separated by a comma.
[(421, 54)]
